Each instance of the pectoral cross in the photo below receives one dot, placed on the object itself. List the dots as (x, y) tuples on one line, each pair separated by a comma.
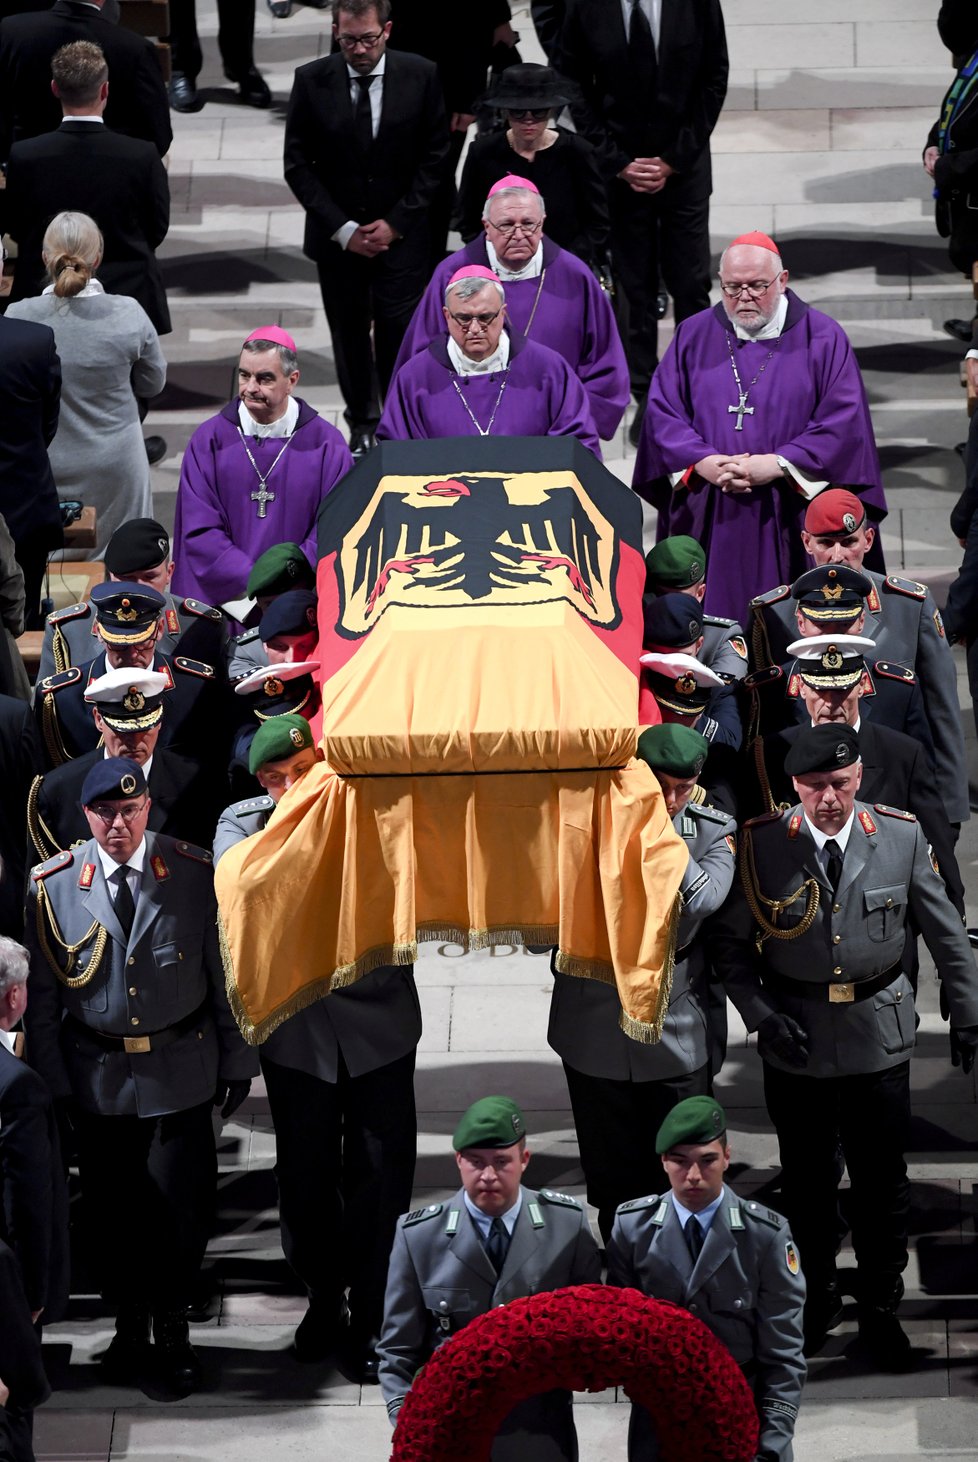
[(739, 411), (263, 496)]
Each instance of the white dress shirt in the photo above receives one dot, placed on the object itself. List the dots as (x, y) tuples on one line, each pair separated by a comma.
[(841, 837), (653, 14), (284, 427), (134, 877), (345, 232)]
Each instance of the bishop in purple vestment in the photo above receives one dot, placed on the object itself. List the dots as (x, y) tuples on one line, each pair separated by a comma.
[(756, 406), (480, 381), (254, 475), (552, 299)]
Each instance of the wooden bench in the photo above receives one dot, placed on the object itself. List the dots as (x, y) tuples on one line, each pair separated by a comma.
[(151, 18), (68, 583)]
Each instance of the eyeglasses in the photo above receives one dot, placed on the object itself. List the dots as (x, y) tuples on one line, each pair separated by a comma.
[(109, 811), (350, 43), (525, 228), (467, 321), (755, 288), (535, 114)]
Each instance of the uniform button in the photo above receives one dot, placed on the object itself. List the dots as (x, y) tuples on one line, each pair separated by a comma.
[(693, 1308), (133, 990), (179, 954), (837, 970), (836, 938), (131, 960), (898, 997), (889, 903), (200, 1035), (134, 1020), (738, 1304), (836, 908)]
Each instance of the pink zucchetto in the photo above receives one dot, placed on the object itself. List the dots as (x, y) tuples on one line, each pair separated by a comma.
[(472, 271), (512, 181), (756, 240), (275, 334)]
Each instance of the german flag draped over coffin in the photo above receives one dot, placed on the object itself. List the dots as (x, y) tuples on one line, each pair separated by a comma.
[(480, 616)]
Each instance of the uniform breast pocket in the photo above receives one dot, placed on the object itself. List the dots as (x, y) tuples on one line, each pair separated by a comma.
[(895, 1018), (450, 1309), (884, 910), (735, 1301), (171, 968), (93, 997)]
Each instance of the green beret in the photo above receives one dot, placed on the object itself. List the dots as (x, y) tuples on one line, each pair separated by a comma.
[(675, 563), (278, 737), (678, 750), (693, 1122), (282, 567), (494, 1121)]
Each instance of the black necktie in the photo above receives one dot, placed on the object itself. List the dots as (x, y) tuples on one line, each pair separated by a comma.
[(694, 1237), (363, 119), (125, 904), (834, 855), (641, 46), (497, 1244)]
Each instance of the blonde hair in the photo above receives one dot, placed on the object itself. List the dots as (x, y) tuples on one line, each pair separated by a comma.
[(71, 249)]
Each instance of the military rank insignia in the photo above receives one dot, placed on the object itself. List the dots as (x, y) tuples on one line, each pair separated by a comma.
[(158, 865), (172, 622), (791, 1258), (86, 875), (731, 843), (794, 825), (866, 823)]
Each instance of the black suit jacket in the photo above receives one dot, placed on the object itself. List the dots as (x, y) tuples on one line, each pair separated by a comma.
[(626, 118), (30, 389), (34, 1214), (326, 167), (20, 762), (119, 181), (138, 105)]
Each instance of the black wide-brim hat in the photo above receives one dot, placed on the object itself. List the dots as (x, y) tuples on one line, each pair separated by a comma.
[(529, 87)]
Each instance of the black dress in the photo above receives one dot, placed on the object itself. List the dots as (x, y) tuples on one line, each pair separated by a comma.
[(566, 173)]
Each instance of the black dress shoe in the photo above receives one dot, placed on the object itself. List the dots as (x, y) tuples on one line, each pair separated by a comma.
[(362, 440), (883, 1340), (183, 93), (958, 330), (128, 1354), (359, 1360), (252, 87), (823, 1311), (315, 1338), (156, 449), (177, 1363), (635, 429), (280, 9)]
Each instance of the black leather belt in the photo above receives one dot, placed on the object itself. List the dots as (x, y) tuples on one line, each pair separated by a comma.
[(834, 992), (138, 1045)]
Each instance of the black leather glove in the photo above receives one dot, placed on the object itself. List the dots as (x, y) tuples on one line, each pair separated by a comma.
[(231, 1094), (964, 1046), (784, 1038)]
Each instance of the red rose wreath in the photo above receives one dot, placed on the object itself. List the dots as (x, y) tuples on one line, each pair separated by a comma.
[(584, 1338)]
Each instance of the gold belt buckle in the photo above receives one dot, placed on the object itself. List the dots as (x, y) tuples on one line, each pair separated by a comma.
[(136, 1045), (841, 994)]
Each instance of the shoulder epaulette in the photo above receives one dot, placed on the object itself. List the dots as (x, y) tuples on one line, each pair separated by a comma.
[(767, 676), (252, 804), (763, 817), (712, 814), (64, 678), (722, 623), (191, 850), (763, 1215), (697, 797), (634, 1203), (53, 865), (771, 597), (910, 587), (246, 637), (899, 812), (73, 611), (202, 611), (564, 1199), (892, 671), (194, 667), (420, 1214)]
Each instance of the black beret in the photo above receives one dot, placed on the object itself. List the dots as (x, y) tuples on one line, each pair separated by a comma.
[(673, 620), (288, 615), (140, 544), (824, 748)]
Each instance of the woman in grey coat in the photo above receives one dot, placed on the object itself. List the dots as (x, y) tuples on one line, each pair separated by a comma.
[(110, 355)]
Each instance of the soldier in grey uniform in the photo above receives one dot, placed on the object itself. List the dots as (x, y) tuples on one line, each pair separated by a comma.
[(138, 552), (129, 1026), (810, 948), (280, 569), (902, 620), (493, 1241), (620, 1089), (340, 1083), (677, 565), (732, 1264)]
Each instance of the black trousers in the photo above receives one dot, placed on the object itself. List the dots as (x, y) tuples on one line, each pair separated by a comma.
[(382, 292), (868, 1116), (235, 36), (665, 236), (148, 1186), (345, 1165), (616, 1123)]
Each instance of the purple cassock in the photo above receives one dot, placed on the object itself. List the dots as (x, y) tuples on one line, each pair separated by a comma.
[(564, 308), (225, 519), (807, 404), (538, 396)]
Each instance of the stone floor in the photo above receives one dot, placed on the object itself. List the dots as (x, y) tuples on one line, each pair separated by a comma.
[(820, 143)]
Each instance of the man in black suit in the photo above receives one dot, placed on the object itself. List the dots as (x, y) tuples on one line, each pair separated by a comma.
[(20, 761), (33, 1198), (30, 388), (654, 79), (366, 143), (235, 41), (85, 167), (27, 42)]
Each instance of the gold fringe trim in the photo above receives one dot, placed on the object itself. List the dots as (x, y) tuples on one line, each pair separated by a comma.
[(585, 969), (384, 954), (649, 1033)]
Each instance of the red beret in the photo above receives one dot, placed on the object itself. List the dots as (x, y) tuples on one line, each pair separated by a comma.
[(834, 511)]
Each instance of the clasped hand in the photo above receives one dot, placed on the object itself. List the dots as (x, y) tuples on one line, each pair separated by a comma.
[(647, 174), (372, 239), (733, 474)]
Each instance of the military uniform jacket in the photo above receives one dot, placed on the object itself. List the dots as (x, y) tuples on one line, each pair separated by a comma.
[(371, 1023), (746, 1286), (584, 1029), (906, 625), (724, 647), (167, 970), (191, 628), (245, 653), (886, 873), (440, 1276)]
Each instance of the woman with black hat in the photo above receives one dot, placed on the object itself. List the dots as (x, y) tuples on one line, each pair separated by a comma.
[(560, 163)]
